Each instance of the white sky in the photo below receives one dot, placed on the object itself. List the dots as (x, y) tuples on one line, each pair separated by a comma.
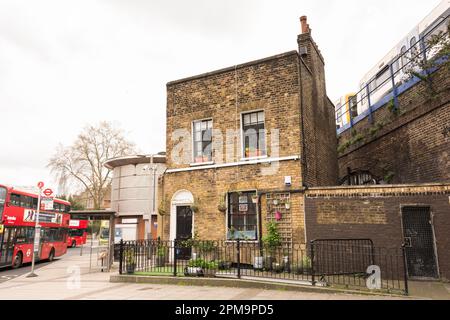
[(64, 64)]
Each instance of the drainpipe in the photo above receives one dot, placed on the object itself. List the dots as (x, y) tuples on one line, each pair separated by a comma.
[(304, 163)]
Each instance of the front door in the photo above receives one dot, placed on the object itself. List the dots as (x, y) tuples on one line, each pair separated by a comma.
[(6, 246), (184, 232), (419, 242)]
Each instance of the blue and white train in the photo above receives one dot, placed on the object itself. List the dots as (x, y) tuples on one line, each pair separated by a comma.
[(378, 80)]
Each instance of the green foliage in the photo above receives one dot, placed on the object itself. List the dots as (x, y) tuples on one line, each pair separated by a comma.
[(222, 207), (393, 108), (302, 266), (204, 247), (200, 263), (356, 138), (376, 127), (162, 208), (129, 257), (161, 251), (272, 239), (389, 176)]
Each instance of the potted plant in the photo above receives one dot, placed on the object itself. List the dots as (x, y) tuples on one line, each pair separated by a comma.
[(287, 205), (224, 265), (201, 159), (162, 208), (302, 267), (222, 207), (130, 261), (194, 207), (160, 256), (272, 241)]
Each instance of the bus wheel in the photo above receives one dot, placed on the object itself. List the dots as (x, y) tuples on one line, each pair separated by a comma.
[(51, 256), (74, 244), (18, 260)]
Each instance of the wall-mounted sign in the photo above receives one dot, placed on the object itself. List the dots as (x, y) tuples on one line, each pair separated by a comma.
[(47, 203), (243, 199), (243, 207), (74, 223)]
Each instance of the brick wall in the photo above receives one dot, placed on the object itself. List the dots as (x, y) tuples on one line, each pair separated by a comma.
[(414, 146), (208, 186), (291, 91), (375, 213)]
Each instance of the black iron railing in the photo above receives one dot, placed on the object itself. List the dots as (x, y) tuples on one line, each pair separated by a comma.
[(351, 264)]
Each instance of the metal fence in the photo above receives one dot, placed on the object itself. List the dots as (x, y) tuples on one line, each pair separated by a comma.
[(349, 264)]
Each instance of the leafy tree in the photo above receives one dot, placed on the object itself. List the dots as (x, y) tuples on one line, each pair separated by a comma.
[(82, 162)]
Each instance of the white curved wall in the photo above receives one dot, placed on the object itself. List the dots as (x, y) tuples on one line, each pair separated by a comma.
[(132, 189)]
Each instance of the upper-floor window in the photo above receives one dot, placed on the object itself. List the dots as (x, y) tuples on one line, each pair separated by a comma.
[(202, 132), (254, 134)]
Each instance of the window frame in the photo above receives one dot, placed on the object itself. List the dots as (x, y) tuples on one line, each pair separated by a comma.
[(229, 214), (3, 200), (242, 136), (211, 160)]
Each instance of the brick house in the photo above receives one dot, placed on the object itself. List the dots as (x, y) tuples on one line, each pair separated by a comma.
[(243, 143)]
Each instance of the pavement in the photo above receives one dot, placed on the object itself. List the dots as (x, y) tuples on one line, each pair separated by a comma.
[(70, 278)]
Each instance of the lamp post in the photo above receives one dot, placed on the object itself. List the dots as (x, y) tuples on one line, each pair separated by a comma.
[(37, 232)]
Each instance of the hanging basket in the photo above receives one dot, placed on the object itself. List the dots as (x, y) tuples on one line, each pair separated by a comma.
[(278, 216)]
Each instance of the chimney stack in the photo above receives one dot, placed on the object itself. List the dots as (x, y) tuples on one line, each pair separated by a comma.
[(304, 24)]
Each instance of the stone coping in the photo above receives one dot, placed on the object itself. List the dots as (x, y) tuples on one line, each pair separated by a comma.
[(240, 283)]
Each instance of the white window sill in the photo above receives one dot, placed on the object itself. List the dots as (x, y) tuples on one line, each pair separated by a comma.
[(199, 164), (254, 158), (242, 241)]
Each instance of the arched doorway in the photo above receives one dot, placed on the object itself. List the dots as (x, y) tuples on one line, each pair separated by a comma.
[(181, 216)]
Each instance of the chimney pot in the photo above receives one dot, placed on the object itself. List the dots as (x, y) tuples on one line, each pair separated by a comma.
[(304, 24)]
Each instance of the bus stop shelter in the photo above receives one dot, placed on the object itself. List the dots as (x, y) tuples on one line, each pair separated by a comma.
[(97, 252)]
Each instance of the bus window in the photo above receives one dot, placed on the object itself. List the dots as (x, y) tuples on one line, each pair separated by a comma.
[(15, 200), (2, 201), (35, 203), (26, 202)]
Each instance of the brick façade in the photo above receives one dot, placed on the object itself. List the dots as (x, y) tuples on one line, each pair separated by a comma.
[(375, 212), (415, 146), (291, 91)]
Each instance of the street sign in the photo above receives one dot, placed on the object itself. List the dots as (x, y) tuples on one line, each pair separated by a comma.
[(40, 185), (37, 239), (48, 192), (47, 203)]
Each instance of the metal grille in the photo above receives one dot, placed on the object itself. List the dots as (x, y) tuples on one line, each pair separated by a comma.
[(419, 242)]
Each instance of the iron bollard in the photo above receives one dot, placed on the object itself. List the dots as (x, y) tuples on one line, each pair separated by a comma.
[(120, 256)]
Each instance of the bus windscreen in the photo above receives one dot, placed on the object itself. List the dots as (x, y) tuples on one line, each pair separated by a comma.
[(2, 200)]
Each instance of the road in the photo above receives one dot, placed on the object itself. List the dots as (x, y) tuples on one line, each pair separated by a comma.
[(7, 274)]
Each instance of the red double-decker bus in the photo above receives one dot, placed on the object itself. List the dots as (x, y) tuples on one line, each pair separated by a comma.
[(17, 222), (77, 233)]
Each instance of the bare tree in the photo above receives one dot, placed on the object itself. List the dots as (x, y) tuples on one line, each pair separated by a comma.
[(83, 161)]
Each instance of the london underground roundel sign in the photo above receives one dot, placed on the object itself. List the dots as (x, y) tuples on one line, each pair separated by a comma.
[(48, 192)]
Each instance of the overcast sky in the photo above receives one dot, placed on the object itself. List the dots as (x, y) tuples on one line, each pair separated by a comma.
[(64, 64)]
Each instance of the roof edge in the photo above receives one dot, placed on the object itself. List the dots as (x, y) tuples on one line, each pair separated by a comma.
[(227, 69)]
